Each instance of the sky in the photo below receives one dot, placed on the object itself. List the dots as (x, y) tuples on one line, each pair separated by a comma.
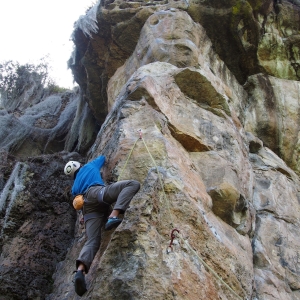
[(33, 29)]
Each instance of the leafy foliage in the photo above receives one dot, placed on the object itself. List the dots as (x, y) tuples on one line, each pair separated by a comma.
[(15, 78)]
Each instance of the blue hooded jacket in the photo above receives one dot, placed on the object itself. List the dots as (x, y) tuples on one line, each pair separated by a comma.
[(88, 175)]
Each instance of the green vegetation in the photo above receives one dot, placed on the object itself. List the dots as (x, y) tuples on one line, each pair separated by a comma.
[(15, 78)]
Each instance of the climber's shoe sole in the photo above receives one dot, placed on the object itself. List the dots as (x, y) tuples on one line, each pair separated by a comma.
[(112, 223), (80, 286)]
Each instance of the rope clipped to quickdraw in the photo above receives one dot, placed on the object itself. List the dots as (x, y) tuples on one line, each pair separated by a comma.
[(173, 236)]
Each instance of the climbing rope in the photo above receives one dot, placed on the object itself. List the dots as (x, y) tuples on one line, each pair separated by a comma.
[(127, 160), (173, 236), (209, 268), (158, 173)]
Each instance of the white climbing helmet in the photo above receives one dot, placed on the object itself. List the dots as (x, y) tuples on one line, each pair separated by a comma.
[(71, 167)]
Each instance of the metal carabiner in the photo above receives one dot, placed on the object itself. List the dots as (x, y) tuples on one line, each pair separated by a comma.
[(173, 236)]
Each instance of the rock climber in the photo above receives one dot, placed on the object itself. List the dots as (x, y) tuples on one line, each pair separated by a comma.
[(97, 200)]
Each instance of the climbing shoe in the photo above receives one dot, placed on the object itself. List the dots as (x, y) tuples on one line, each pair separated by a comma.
[(79, 282), (112, 223)]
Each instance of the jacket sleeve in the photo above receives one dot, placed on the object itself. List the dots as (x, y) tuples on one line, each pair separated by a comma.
[(99, 161)]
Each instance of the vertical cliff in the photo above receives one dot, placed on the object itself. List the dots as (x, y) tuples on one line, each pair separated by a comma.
[(199, 102)]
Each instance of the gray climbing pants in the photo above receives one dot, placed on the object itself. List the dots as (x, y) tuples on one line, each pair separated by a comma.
[(119, 193)]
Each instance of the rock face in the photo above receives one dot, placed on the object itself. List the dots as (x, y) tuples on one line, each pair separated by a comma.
[(269, 100), (37, 225), (52, 124), (204, 96)]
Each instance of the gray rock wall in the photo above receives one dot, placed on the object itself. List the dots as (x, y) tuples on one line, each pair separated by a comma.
[(212, 87)]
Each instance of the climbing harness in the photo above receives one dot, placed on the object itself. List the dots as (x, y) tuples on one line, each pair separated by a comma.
[(173, 236)]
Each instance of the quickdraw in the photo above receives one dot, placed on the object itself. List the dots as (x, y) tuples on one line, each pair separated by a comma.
[(141, 134), (173, 236)]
